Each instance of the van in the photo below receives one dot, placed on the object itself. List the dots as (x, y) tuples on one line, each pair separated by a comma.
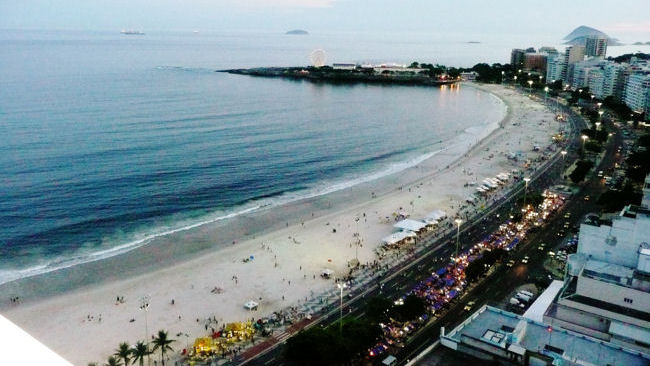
[(527, 293), (523, 297)]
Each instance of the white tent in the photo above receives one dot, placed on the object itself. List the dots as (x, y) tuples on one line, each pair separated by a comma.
[(436, 215), (430, 222), (397, 237), (251, 305), (410, 225)]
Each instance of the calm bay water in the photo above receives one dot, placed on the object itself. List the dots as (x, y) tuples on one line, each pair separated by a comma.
[(108, 139)]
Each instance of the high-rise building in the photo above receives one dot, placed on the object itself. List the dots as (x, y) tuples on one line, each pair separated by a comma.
[(605, 79), (555, 67), (606, 292), (517, 58), (637, 88), (535, 62), (581, 72), (614, 81), (596, 46), (572, 54)]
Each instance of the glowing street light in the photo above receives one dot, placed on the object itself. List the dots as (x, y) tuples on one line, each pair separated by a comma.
[(584, 139), (563, 152), (341, 286), (526, 180), (530, 86), (599, 104), (458, 222)]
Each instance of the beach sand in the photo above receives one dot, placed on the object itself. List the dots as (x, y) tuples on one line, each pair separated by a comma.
[(87, 322)]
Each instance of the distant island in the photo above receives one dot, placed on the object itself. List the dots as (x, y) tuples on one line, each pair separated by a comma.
[(641, 43), (473, 42), (579, 36), (300, 32), (131, 32)]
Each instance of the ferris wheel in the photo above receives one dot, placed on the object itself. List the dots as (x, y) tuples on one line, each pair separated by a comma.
[(318, 57)]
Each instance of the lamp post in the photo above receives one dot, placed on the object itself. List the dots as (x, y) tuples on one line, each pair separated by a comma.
[(545, 93), (526, 180), (144, 305), (584, 138), (458, 222), (530, 87), (600, 119), (563, 152), (341, 287)]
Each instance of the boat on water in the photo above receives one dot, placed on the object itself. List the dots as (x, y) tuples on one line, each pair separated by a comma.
[(132, 32)]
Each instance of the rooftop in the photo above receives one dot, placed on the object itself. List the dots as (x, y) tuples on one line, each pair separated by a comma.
[(511, 331)]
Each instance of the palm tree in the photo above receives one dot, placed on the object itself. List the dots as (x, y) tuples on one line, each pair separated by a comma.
[(139, 352), (162, 342), (123, 351), (112, 361)]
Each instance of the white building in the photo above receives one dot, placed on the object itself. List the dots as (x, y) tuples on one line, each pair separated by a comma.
[(606, 292), (596, 46), (505, 338), (555, 68), (637, 88), (572, 54), (605, 79), (581, 72)]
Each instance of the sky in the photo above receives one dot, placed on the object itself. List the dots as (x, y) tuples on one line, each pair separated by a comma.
[(628, 20)]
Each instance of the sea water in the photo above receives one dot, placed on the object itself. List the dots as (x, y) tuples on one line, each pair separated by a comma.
[(110, 140)]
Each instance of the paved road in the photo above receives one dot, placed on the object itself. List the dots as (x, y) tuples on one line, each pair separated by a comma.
[(500, 284)]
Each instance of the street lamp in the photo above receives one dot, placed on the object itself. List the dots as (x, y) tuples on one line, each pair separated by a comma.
[(563, 152), (341, 286), (599, 104), (584, 138), (458, 222), (545, 93), (144, 305), (526, 180), (600, 118), (530, 86)]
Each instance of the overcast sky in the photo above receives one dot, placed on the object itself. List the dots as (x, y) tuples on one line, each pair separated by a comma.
[(628, 20)]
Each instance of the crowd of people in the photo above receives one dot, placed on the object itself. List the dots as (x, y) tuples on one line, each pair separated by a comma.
[(449, 282)]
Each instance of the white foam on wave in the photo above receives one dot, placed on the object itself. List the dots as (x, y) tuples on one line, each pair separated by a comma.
[(323, 188), (65, 262)]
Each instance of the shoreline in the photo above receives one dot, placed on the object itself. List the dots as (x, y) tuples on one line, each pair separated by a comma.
[(71, 277), (299, 249)]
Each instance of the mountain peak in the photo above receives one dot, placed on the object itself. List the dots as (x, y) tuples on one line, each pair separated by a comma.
[(579, 35)]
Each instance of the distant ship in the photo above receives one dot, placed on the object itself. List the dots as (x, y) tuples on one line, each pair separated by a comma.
[(131, 32)]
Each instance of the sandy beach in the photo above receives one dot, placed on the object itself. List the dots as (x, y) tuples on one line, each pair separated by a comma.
[(283, 260)]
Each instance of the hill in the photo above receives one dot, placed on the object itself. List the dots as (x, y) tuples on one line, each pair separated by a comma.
[(579, 36)]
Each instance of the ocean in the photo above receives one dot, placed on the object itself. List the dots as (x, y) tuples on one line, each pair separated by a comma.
[(110, 140)]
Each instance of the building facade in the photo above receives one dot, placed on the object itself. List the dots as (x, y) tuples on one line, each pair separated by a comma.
[(606, 291), (637, 88), (596, 46), (555, 68), (517, 57), (572, 54), (535, 62)]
